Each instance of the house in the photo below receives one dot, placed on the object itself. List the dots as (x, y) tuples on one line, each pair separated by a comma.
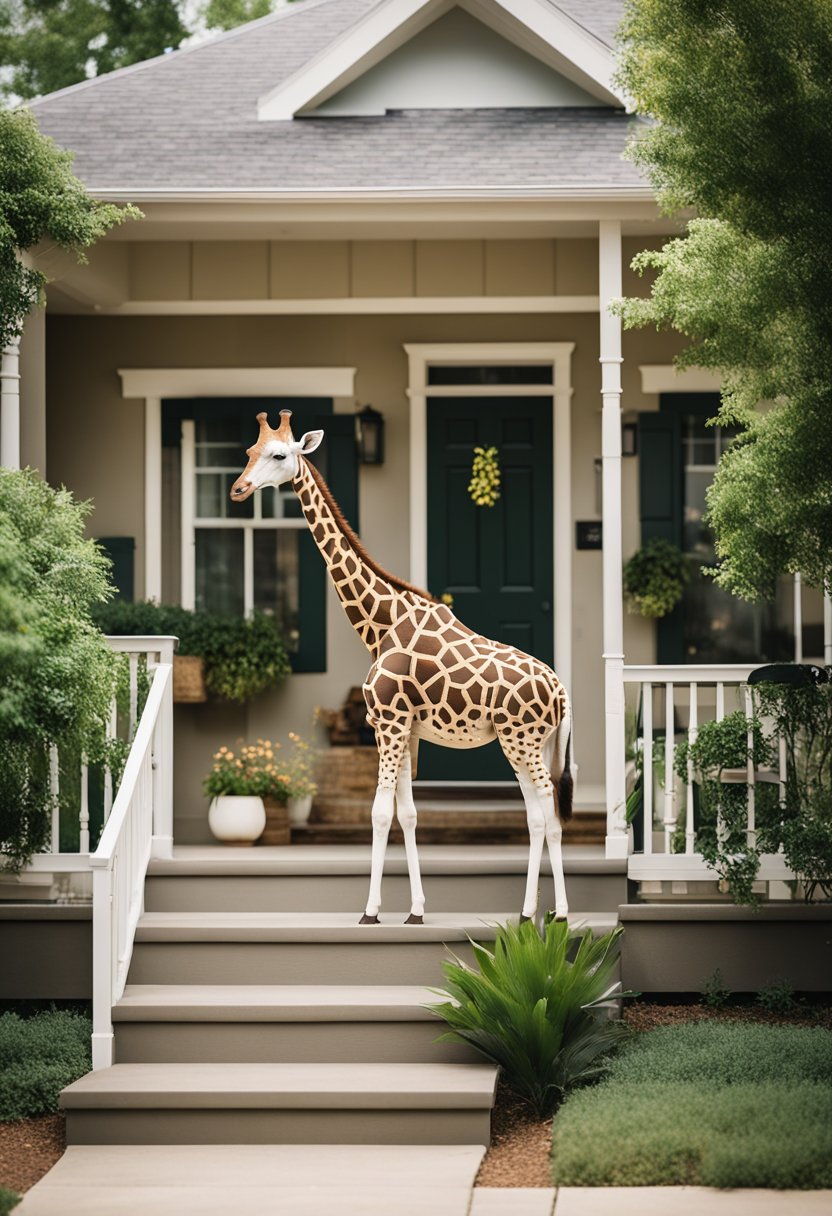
[(421, 205)]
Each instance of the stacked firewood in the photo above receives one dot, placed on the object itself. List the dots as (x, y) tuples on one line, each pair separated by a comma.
[(348, 726)]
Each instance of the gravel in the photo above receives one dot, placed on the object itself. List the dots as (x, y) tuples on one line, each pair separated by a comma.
[(28, 1149)]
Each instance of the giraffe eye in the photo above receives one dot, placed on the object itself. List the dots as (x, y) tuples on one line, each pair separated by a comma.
[(278, 456)]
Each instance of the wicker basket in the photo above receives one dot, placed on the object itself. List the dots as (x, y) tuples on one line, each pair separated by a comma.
[(189, 679), (277, 830)]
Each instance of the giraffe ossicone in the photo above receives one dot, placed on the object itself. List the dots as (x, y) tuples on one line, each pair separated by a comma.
[(431, 678)]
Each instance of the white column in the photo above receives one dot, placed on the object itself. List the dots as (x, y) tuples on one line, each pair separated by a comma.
[(10, 406), (187, 592), (152, 498), (562, 524), (609, 285)]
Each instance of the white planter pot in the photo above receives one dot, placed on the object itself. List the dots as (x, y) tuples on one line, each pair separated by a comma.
[(237, 818), (299, 809)]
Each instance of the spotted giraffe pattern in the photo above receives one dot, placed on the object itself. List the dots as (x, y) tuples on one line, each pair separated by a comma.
[(432, 677)]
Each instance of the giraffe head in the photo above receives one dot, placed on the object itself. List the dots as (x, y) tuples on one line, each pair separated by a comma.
[(275, 458)]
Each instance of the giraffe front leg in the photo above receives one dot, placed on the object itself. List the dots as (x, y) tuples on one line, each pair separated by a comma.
[(391, 751), (406, 814)]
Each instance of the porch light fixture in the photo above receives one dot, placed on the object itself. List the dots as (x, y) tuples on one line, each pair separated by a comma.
[(629, 439), (369, 436)]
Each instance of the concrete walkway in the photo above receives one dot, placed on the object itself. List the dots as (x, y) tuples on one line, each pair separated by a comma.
[(352, 1180)]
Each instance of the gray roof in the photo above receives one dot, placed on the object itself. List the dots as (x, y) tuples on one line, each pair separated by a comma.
[(189, 120)]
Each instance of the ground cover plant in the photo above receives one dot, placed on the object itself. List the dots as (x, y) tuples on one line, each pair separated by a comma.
[(537, 1006), (38, 1057), (709, 1104)]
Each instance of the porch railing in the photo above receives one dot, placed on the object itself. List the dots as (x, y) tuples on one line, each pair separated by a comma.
[(140, 825), (676, 700), (143, 655)]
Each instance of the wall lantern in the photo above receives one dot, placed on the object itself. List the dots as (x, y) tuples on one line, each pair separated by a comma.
[(629, 439), (369, 436)]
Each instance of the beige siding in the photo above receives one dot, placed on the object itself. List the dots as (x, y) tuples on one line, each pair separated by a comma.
[(160, 270), (519, 268), (230, 270), (306, 270), (383, 268)]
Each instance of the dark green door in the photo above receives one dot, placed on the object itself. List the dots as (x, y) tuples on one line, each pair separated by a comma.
[(495, 561)]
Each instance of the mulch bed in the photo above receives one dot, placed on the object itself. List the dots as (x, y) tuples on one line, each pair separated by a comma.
[(521, 1144), (28, 1149)]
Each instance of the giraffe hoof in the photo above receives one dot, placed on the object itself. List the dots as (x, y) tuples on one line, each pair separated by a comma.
[(415, 920), (368, 920)]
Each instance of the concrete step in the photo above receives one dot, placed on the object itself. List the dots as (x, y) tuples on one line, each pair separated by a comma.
[(190, 1023), (287, 1103), (335, 878), (450, 828), (301, 948), (257, 1180)]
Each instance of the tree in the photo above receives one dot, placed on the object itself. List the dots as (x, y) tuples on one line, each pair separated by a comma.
[(50, 44), (40, 197), (740, 98), (228, 14)]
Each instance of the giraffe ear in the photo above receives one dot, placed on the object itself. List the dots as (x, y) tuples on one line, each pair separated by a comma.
[(310, 441)]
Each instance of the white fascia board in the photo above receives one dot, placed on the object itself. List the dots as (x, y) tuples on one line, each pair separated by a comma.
[(571, 49), (385, 28)]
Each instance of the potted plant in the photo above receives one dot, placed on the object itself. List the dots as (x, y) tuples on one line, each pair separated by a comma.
[(233, 658), (298, 767), (236, 785), (655, 578)]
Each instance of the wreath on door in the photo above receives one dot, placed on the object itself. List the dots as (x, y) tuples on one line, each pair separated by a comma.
[(484, 486)]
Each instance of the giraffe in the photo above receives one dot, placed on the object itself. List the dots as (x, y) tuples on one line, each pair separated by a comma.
[(431, 678)]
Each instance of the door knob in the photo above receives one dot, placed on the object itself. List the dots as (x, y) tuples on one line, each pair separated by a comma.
[(546, 606)]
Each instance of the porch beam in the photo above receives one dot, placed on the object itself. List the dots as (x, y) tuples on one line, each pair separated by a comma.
[(609, 284)]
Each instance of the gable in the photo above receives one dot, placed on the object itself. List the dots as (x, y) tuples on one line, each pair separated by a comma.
[(428, 41), (456, 63)]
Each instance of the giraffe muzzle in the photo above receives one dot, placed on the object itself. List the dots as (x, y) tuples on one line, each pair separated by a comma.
[(241, 490)]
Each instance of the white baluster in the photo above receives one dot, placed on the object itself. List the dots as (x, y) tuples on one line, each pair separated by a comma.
[(798, 620), (720, 701), (693, 727), (84, 812), (134, 694), (647, 763), (55, 796), (669, 813), (751, 776)]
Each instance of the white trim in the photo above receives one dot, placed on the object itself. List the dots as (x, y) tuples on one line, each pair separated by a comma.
[(351, 306), (153, 498), (10, 405), (539, 29), (665, 378), (453, 192), (559, 354), (237, 382)]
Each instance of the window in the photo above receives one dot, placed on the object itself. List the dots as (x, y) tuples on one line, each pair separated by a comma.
[(678, 455), (237, 557)]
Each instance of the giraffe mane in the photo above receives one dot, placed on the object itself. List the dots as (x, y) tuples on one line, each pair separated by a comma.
[(338, 515)]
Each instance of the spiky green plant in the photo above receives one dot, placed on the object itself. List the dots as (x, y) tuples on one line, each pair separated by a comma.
[(537, 1006)]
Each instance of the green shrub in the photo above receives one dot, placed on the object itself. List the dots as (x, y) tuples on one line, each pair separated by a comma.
[(243, 655), (709, 1104), (537, 1007), (778, 997), (38, 1057), (715, 995), (8, 1200), (57, 674)]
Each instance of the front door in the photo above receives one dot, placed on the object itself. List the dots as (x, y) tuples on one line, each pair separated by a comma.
[(496, 561)]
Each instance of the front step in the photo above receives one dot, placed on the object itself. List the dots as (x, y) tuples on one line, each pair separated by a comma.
[(262, 1103), (452, 824), (300, 948), (335, 878), (189, 1023)]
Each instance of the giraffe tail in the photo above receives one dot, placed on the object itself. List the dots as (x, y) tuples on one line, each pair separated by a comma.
[(562, 766)]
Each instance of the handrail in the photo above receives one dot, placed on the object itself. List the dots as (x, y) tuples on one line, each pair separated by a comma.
[(139, 825)]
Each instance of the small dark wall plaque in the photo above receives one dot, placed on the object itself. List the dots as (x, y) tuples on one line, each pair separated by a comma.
[(589, 534)]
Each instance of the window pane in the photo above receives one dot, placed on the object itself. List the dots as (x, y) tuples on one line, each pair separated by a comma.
[(213, 498), (219, 570), (220, 455), (276, 580), (495, 374), (280, 503)]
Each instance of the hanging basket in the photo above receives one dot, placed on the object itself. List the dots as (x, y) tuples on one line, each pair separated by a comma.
[(189, 679)]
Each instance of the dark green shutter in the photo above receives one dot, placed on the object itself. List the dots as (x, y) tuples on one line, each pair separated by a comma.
[(121, 550), (337, 460), (661, 498)]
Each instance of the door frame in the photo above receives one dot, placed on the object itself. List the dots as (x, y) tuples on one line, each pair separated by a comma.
[(559, 354)]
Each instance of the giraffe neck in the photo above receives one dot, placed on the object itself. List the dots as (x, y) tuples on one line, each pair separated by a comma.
[(369, 601)]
